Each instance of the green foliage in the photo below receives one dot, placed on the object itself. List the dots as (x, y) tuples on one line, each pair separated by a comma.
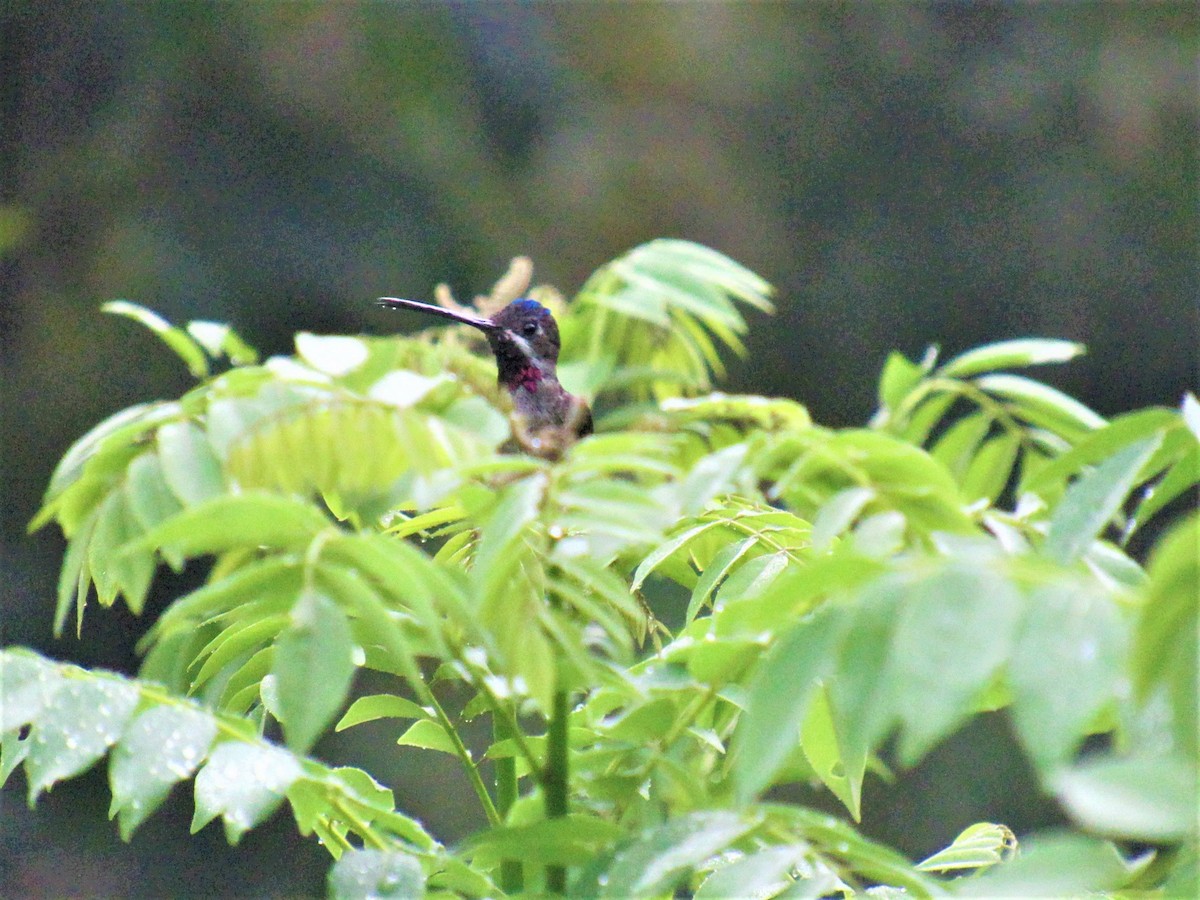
[(853, 596)]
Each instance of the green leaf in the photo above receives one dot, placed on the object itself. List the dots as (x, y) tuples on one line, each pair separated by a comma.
[(499, 552), (842, 842), (1096, 447), (189, 465), (659, 858), (764, 873), (1189, 410), (114, 572), (777, 702), (956, 448), (1056, 865), (837, 514), (567, 841), (177, 339), (1066, 629), (1011, 355), (219, 339), (28, 684), (242, 783), (727, 558), (900, 375), (1042, 405), (119, 430), (376, 875), (150, 500), (162, 746), (977, 847), (235, 522), (379, 706), (1162, 655), (861, 689), (989, 471), (76, 728), (1180, 477), (75, 578), (955, 631), (1142, 799), (840, 771), (13, 752), (331, 354), (667, 549), (313, 667), (428, 735), (1092, 501)]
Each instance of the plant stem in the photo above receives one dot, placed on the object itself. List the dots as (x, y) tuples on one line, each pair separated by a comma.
[(557, 776), (512, 879), (372, 610)]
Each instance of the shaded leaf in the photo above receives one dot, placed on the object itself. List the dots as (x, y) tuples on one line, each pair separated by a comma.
[(659, 858), (955, 631), (313, 666), (1144, 799), (1093, 500), (777, 700), (1066, 629)]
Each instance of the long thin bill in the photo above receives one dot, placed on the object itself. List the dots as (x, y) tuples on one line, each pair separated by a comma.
[(464, 318)]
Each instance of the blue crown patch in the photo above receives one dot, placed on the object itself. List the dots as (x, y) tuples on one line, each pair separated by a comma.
[(530, 306)]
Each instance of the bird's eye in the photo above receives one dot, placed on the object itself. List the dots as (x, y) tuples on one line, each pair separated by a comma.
[(529, 329)]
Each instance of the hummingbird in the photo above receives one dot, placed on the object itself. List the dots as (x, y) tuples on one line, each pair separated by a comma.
[(546, 420)]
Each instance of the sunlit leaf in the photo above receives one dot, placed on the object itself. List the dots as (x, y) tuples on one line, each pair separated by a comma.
[(379, 706), (1011, 355), (428, 735), (235, 521), (1042, 405), (178, 340), (977, 847)]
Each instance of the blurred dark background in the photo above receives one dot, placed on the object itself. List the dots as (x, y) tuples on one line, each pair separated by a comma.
[(904, 174)]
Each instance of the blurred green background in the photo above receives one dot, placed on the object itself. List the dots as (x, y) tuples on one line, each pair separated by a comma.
[(904, 174)]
